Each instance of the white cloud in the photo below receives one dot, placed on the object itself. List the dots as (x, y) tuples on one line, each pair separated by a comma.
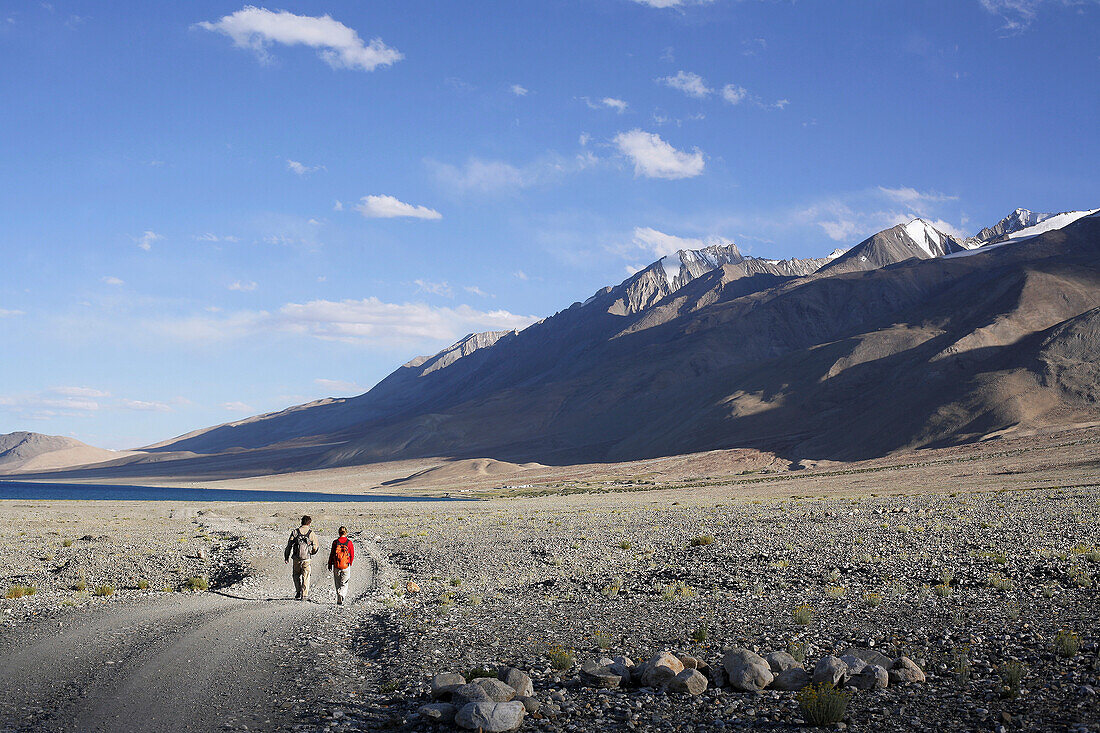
[(912, 196), (616, 104), (520, 275), (734, 94), (519, 91), (338, 45), (672, 3), (80, 392), (584, 138), (1018, 15), (853, 216), (368, 321), (243, 286), (5, 313), (388, 207), (475, 290), (338, 206), (145, 241), (112, 280), (687, 82), (427, 286), (655, 158), (145, 406), (236, 407), (339, 386), (658, 244), (301, 168)]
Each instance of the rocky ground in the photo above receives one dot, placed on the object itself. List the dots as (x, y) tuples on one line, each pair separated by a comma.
[(970, 586)]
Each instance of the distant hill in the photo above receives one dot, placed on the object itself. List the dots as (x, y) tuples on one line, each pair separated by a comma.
[(25, 452)]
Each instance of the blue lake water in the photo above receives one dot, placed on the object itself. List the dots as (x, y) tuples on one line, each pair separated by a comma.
[(113, 492)]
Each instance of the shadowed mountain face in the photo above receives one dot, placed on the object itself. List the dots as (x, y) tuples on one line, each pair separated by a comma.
[(837, 364), (23, 451)]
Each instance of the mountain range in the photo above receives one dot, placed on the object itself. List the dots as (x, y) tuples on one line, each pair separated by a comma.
[(911, 338)]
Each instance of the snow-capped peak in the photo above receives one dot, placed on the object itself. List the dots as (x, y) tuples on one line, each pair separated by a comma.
[(836, 253), (925, 236)]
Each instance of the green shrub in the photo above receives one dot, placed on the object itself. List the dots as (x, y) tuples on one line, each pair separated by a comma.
[(835, 591), (67, 543), (143, 584), (478, 673), (700, 634), (872, 599), (1000, 582), (603, 639), (822, 704), (942, 590), (612, 590), (560, 657), (797, 649), (1067, 643), (19, 591), (104, 590), (625, 545), (196, 582), (702, 540), (1011, 674), (802, 614)]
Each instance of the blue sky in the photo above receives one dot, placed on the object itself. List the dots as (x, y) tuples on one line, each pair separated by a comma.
[(210, 210)]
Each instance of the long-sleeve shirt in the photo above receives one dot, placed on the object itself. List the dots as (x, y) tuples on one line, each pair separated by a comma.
[(332, 552)]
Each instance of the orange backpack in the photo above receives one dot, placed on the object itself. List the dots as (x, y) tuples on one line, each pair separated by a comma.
[(343, 555)]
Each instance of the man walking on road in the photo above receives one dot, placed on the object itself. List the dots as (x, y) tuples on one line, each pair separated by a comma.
[(340, 558), (302, 545)]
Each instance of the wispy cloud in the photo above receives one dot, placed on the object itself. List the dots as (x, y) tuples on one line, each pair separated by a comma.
[(112, 280), (145, 405), (211, 237), (236, 407), (339, 386), (427, 286), (736, 94), (655, 158), (145, 241), (367, 321), (301, 168), (475, 290), (658, 244), (388, 207), (672, 3), (519, 90), (1018, 15), (6, 313), (687, 82), (614, 103), (243, 286), (478, 175), (853, 216), (913, 197), (338, 45)]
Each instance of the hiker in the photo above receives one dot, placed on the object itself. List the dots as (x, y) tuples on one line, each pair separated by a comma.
[(301, 546), (340, 558)]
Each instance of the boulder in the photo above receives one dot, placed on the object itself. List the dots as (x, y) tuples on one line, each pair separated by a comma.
[(871, 677), (660, 669), (781, 662), (747, 671), (517, 680), (689, 682), (904, 671), (688, 661), (438, 712), (600, 676), (444, 684), (465, 694), (531, 704), (792, 679), (624, 667), (496, 690), (854, 664), (491, 717), (867, 656), (830, 671)]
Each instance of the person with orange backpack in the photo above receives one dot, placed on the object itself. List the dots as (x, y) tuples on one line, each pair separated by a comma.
[(340, 558)]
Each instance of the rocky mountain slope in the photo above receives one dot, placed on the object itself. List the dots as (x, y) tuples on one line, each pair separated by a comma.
[(937, 344)]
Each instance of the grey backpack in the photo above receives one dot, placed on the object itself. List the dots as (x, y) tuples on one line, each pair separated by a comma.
[(302, 545)]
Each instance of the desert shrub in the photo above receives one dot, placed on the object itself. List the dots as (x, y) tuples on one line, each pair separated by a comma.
[(1011, 673), (872, 599), (960, 664), (143, 584), (611, 590), (822, 704), (625, 545), (699, 634), (477, 673), (80, 585), (941, 590), (67, 543), (19, 591), (1067, 643), (1000, 582), (560, 657), (835, 591), (797, 649), (603, 639), (474, 599), (946, 577), (196, 582), (104, 590), (802, 614), (455, 582), (781, 564), (702, 540)]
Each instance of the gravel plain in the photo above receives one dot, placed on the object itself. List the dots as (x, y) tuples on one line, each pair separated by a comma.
[(971, 564)]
